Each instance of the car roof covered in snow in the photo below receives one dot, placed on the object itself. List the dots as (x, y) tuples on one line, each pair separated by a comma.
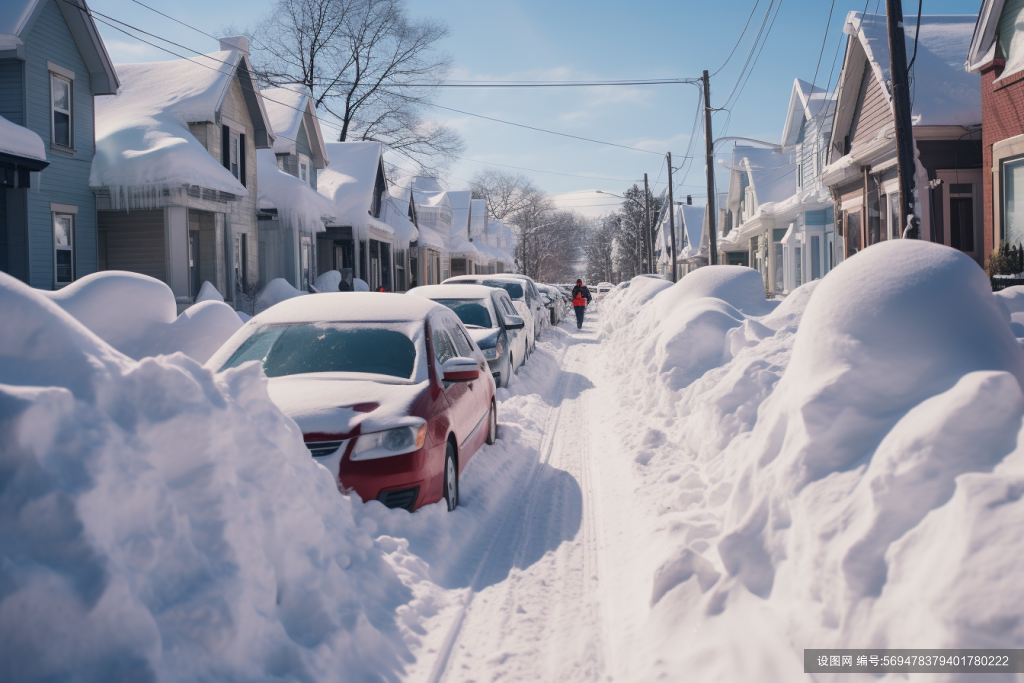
[(350, 307), (455, 290)]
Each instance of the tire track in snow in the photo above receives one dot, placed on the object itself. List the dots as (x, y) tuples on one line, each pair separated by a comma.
[(547, 443), (562, 635)]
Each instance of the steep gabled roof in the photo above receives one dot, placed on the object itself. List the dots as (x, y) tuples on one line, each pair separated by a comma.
[(288, 108), (18, 16), (805, 103), (142, 133), (983, 40), (350, 180), (460, 201), (944, 94)]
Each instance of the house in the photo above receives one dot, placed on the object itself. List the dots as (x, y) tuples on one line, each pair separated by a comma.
[(52, 65), (400, 214), (691, 239), (175, 172), (808, 243), (946, 118), (434, 210), (465, 256), (762, 180), (358, 241), (291, 213), (997, 54)]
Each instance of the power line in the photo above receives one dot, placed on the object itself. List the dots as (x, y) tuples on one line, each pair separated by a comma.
[(541, 130), (750, 54), (763, 43), (537, 170), (824, 38), (738, 40), (178, 21)]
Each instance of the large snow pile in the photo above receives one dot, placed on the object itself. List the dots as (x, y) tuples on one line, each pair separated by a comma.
[(161, 522), (136, 314), (843, 471), (276, 291)]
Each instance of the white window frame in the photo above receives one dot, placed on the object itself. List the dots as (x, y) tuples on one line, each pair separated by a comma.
[(69, 212), (69, 78), (305, 167)]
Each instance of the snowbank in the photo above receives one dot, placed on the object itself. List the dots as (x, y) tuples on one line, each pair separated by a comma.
[(276, 291), (158, 521), (136, 314), (328, 282), (842, 471)]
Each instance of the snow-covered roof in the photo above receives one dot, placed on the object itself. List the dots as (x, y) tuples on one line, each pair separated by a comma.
[(20, 141), (349, 181), (294, 199), (460, 201), (428, 237), (986, 32), (287, 108), (805, 103), (350, 307), (772, 173), (478, 217), (142, 134), (396, 214), (18, 16), (944, 94)]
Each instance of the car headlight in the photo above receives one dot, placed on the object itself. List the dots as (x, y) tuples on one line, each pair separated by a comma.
[(494, 352), (389, 442)]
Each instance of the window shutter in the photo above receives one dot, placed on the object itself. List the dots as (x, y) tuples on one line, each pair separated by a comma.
[(241, 159), (225, 147)]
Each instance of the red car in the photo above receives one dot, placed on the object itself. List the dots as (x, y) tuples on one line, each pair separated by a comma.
[(390, 391)]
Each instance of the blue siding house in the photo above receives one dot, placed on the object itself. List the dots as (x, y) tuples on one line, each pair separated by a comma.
[(52, 63)]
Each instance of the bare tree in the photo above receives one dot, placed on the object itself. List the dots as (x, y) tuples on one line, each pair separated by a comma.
[(365, 63), (507, 194), (599, 248)]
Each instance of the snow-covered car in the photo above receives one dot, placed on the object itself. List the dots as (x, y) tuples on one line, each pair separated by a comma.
[(555, 302), (601, 289), (523, 293), (390, 391), (491, 320)]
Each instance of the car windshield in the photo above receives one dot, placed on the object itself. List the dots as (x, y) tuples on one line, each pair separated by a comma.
[(514, 289), (328, 347), (472, 312)]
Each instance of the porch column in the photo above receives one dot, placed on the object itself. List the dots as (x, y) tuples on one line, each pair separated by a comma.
[(176, 242), (222, 248)]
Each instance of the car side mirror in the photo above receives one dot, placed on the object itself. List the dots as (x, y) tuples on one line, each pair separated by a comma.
[(460, 369), (514, 322)]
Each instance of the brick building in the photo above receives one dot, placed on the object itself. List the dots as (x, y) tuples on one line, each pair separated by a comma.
[(997, 54)]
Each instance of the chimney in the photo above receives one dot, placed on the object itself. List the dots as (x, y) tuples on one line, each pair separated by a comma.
[(240, 43), (689, 200)]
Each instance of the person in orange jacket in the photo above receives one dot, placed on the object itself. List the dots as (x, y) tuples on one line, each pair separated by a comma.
[(580, 300)]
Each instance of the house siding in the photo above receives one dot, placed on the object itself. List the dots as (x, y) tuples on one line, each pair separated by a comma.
[(243, 212), (66, 179), (872, 113), (135, 242), (1002, 118), (12, 90)]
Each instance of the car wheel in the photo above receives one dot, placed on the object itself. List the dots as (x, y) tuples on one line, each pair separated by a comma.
[(451, 478), (492, 426)]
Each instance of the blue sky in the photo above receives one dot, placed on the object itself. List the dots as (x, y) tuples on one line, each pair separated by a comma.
[(598, 39)]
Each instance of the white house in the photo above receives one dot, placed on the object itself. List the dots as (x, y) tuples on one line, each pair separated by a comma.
[(291, 212)]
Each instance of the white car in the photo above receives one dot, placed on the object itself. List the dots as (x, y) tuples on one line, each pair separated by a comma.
[(524, 294)]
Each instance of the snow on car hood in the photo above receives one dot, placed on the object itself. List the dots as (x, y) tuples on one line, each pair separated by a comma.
[(331, 403)]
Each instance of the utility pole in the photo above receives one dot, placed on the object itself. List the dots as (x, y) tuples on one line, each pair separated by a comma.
[(709, 162), (647, 225), (672, 217), (901, 111)]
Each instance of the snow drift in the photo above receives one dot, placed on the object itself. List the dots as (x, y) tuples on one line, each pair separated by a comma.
[(163, 522), (136, 314), (842, 471)]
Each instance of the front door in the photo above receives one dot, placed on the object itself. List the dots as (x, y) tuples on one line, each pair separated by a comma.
[(961, 215), (193, 262)]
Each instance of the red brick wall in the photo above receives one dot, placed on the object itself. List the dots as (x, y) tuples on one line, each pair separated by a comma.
[(1002, 114)]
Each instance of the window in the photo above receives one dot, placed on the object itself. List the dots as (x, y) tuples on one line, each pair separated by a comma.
[(305, 169), (799, 176), (61, 94), (234, 154), (444, 350), (462, 343), (514, 289), (241, 257), (472, 312), (302, 173), (304, 263), (63, 248), (333, 347), (815, 257), (894, 219)]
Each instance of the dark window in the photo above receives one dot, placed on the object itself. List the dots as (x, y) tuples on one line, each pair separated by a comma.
[(853, 241), (514, 289), (241, 158), (471, 312), (462, 344), (225, 147), (308, 348)]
